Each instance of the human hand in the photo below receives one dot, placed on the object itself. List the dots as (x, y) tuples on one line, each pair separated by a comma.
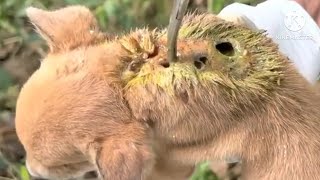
[(312, 7)]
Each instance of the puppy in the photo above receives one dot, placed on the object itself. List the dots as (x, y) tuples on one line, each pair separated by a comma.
[(115, 104), (71, 116)]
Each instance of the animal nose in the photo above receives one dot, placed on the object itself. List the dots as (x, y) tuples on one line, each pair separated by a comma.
[(200, 61), (35, 169)]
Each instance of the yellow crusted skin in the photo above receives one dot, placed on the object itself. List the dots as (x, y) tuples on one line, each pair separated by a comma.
[(217, 61), (255, 62)]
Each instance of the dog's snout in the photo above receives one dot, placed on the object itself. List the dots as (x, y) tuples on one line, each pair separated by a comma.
[(30, 170)]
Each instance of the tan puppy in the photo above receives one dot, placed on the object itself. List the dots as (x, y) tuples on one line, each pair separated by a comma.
[(71, 115), (118, 106)]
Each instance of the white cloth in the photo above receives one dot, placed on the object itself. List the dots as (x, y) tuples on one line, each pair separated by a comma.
[(291, 27)]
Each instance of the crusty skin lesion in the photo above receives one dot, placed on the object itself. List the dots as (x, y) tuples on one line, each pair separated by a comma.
[(118, 104), (245, 104), (256, 63), (248, 76)]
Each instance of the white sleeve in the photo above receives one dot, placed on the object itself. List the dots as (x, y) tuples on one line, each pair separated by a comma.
[(291, 27)]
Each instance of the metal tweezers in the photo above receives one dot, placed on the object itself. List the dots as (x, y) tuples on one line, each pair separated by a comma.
[(178, 11)]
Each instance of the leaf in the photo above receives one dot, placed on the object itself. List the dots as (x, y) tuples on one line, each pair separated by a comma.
[(102, 17), (203, 172), (5, 80), (7, 26), (11, 96), (215, 6), (24, 173)]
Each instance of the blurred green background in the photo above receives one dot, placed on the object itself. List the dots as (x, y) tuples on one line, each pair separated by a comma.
[(21, 48)]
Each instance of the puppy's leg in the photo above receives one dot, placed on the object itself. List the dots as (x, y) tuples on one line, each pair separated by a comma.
[(123, 160), (65, 171), (126, 156)]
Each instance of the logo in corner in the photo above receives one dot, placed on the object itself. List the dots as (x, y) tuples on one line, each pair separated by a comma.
[(294, 21)]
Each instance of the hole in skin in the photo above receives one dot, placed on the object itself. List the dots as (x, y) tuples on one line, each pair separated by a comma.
[(184, 96), (198, 64), (165, 64), (133, 66), (203, 59), (225, 48)]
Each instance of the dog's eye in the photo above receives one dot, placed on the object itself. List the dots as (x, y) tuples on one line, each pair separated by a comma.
[(225, 48), (134, 66)]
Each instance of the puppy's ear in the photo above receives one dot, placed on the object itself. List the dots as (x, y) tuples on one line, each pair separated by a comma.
[(66, 28)]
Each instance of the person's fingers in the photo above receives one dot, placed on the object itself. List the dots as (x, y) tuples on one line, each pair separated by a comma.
[(238, 19), (312, 7)]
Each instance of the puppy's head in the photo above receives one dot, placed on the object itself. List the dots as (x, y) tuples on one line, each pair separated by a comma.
[(68, 99), (224, 73)]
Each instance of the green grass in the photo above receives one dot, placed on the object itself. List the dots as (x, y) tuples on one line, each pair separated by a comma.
[(203, 172)]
